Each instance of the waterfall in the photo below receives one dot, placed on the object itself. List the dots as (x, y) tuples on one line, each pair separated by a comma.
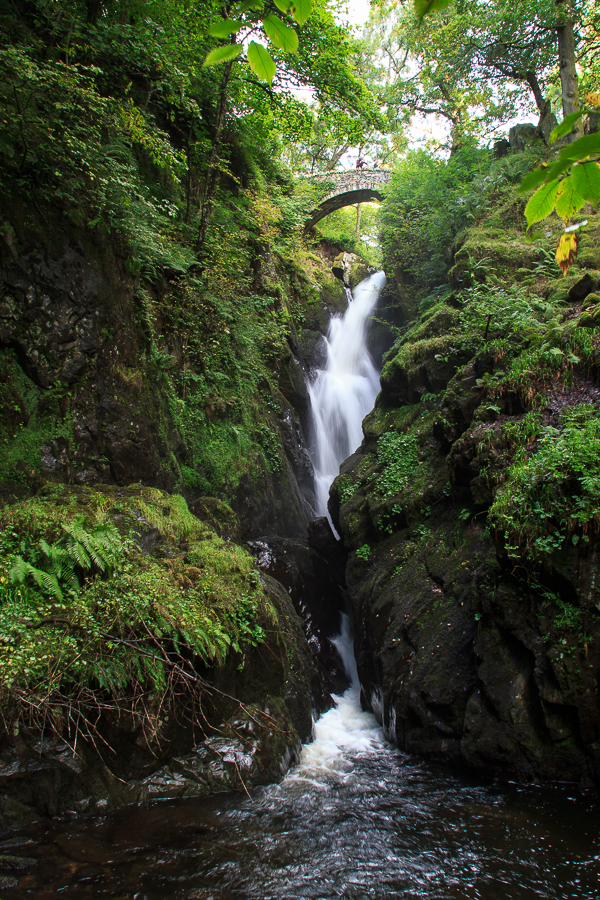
[(343, 730), (344, 391)]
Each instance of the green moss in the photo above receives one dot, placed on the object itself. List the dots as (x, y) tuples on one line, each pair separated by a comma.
[(193, 593), (553, 494)]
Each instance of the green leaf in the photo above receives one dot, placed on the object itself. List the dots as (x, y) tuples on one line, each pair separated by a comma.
[(246, 5), (585, 146), (557, 169), (568, 199), (424, 7), (224, 28), (542, 202), (282, 5), (222, 54), (586, 178), (281, 36), (532, 179), (261, 62), (565, 127), (300, 10)]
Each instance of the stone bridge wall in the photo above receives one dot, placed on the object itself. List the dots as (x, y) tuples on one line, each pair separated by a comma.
[(353, 180), (348, 188)]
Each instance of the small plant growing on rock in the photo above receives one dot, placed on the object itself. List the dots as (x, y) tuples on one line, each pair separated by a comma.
[(61, 565)]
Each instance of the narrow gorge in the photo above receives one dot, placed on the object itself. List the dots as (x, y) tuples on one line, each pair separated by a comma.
[(299, 450)]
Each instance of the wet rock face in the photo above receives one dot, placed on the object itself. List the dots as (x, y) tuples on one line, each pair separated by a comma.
[(465, 654), (70, 320), (317, 595), (462, 666)]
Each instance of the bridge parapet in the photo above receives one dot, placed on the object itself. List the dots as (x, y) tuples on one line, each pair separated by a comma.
[(353, 180), (347, 188)]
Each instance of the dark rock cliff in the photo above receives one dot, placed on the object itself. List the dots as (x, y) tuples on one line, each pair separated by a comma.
[(95, 375), (476, 608)]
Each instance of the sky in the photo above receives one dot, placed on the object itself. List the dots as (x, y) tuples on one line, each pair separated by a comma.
[(358, 11)]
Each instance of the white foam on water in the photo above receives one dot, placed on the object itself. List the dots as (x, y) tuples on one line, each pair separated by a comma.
[(343, 730)]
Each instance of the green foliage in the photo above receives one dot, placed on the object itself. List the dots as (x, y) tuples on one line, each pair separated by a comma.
[(345, 487), (398, 454), (339, 229), (525, 334), (364, 553), (272, 449), (566, 184), (281, 36), (428, 202), (94, 176), (29, 418), (552, 494), (54, 566), (122, 619)]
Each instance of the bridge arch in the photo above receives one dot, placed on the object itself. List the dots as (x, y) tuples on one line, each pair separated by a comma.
[(347, 189)]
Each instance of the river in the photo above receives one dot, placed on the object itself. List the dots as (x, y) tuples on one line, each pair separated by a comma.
[(356, 819)]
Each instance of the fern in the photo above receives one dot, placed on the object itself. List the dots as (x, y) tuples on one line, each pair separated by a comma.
[(52, 566), (46, 580), (101, 546)]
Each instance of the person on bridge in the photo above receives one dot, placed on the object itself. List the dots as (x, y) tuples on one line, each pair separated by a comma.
[(360, 162)]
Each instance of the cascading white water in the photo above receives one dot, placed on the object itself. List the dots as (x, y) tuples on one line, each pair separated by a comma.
[(344, 730), (341, 396), (344, 392)]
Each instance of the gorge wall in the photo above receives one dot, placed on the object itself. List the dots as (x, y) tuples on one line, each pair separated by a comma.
[(471, 513), (123, 397)]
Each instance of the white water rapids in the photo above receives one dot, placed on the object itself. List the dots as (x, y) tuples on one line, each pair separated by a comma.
[(344, 391), (344, 729)]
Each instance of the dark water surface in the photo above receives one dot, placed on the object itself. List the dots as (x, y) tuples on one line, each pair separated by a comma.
[(356, 820)]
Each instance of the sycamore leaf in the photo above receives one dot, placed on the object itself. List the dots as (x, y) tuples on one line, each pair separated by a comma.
[(224, 28), (222, 54), (532, 179), (300, 10), (281, 36), (568, 199), (542, 202), (557, 169), (566, 252), (565, 127), (261, 62), (586, 178), (282, 5), (583, 147), (424, 7)]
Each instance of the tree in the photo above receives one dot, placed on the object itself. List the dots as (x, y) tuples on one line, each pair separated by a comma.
[(428, 68), (323, 57), (569, 81)]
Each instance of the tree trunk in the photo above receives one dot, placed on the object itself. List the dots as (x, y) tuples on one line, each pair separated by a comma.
[(547, 119), (536, 90), (569, 82), (336, 158), (213, 174)]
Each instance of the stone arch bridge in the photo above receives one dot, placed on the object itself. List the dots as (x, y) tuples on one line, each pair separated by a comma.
[(347, 189)]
